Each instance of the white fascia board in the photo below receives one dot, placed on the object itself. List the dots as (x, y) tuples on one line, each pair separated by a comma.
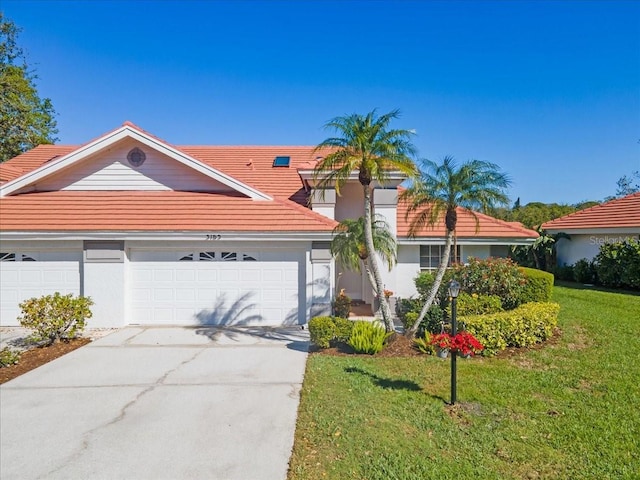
[(190, 236), (393, 179), (113, 137), (466, 241)]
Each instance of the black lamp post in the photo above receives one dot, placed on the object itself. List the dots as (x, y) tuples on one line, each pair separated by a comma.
[(454, 290)]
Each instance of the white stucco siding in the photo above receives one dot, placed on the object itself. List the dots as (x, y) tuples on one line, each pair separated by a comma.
[(476, 251), (110, 170), (350, 202), (406, 270), (587, 245)]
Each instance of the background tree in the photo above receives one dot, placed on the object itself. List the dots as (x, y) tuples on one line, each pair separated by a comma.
[(348, 245), (365, 144), (436, 196), (26, 120), (627, 184)]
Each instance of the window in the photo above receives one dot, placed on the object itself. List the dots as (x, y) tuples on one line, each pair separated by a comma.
[(229, 256), (281, 161), (15, 257), (218, 257), (207, 256), (430, 256)]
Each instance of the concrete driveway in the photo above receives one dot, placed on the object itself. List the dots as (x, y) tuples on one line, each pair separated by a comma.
[(158, 403)]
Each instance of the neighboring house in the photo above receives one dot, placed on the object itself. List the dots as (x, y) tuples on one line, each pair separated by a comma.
[(609, 222), (162, 234)]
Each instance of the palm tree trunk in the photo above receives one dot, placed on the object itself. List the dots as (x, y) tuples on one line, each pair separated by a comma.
[(372, 281), (373, 260), (444, 263)]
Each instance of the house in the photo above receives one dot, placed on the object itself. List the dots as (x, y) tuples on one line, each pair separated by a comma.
[(610, 222), (161, 234)]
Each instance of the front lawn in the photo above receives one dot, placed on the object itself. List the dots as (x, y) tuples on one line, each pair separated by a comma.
[(569, 410)]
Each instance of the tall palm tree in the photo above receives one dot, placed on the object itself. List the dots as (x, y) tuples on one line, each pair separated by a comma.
[(349, 248), (436, 196), (365, 144)]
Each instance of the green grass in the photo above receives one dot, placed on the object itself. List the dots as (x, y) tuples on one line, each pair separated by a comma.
[(570, 410)]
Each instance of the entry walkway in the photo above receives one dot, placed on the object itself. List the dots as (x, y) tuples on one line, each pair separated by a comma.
[(158, 403)]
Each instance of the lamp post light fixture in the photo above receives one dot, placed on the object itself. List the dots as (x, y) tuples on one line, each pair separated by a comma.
[(454, 291)]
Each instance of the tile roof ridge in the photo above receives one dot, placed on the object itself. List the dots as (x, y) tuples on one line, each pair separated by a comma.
[(245, 146), (589, 210), (521, 228)]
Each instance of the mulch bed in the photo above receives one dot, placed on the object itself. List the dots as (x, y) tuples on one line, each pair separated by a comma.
[(397, 346), (401, 346), (38, 356)]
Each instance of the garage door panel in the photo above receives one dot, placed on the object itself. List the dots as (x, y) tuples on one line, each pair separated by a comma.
[(215, 292), (20, 281)]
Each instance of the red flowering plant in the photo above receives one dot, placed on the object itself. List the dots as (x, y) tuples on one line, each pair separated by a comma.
[(441, 341), (464, 343)]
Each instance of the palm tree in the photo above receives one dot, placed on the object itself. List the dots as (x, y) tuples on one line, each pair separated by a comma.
[(366, 145), (437, 194), (349, 248)]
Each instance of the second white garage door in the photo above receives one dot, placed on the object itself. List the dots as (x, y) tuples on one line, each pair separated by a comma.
[(220, 287)]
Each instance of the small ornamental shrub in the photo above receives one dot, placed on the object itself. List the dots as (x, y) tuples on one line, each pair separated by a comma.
[(423, 344), (493, 276), (342, 329), (584, 271), (322, 331), (526, 325), (9, 357), (539, 286), (55, 317), (342, 305), (406, 306), (368, 337)]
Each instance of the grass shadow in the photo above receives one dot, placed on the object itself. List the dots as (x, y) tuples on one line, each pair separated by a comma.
[(598, 288), (386, 383)]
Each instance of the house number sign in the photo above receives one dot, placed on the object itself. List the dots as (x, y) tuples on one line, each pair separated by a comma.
[(211, 236)]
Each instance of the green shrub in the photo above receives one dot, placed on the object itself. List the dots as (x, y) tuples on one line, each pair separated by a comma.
[(55, 317), (342, 305), (539, 286), (342, 329), (322, 331), (425, 280), (423, 344), (406, 306), (474, 304), (584, 271), (432, 321), (325, 331), (9, 357), (526, 325), (493, 276), (564, 273), (368, 337), (618, 264)]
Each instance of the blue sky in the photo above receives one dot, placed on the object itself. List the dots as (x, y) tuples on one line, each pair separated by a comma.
[(548, 90)]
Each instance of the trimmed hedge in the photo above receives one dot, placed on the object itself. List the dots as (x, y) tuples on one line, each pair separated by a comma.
[(324, 331), (539, 286), (474, 304), (526, 325)]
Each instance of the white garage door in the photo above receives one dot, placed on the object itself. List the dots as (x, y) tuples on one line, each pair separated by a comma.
[(221, 287), (33, 274)]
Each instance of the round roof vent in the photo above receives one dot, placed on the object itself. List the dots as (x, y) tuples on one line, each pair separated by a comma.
[(136, 157)]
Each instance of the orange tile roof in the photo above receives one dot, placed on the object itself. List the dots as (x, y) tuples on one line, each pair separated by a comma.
[(618, 213), (252, 165), (489, 227), (154, 211)]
